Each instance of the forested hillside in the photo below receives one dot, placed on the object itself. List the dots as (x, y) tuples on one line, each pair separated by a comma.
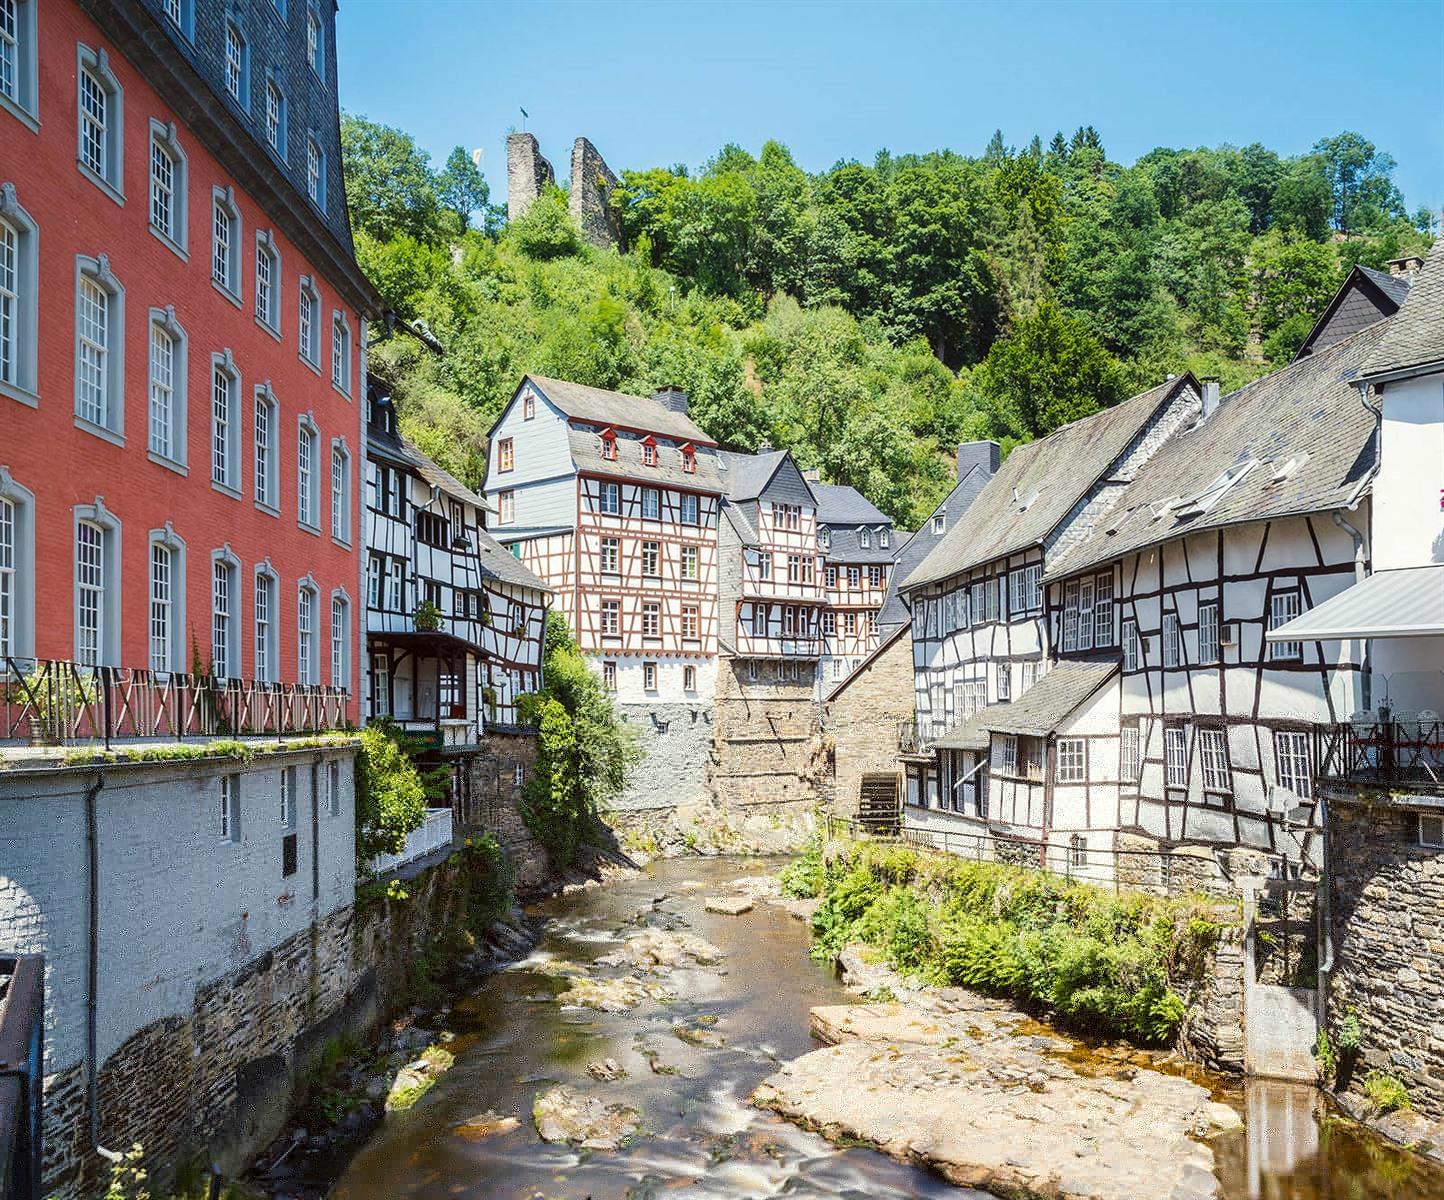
[(871, 316)]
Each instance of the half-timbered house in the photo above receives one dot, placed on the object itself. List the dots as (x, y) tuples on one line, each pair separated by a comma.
[(980, 638), (856, 540), (454, 622), (613, 500)]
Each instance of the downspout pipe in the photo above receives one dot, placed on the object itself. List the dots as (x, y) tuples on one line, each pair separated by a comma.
[(92, 969)]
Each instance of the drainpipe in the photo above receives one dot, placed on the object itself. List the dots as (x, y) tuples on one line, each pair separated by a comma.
[(92, 969)]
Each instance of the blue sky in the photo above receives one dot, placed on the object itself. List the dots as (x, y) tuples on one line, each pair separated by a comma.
[(658, 83)]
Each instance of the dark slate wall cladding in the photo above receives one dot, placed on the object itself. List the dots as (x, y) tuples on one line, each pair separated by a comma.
[(275, 34)]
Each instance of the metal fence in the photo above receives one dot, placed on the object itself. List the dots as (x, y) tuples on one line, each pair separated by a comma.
[(1168, 871), (22, 1057), (1402, 751), (54, 700)]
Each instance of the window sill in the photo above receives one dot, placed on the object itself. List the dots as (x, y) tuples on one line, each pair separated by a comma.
[(345, 544), (170, 464), (102, 183), (233, 297), (20, 395), (307, 527), (269, 509), (100, 431), (269, 328), (226, 489), (169, 243), (20, 113), (313, 367), (337, 388)]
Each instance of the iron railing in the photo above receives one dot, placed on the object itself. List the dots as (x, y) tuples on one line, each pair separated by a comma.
[(1400, 752), (54, 700), (22, 1058)]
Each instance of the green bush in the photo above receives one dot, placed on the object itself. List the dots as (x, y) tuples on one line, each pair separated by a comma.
[(803, 877), (390, 796)]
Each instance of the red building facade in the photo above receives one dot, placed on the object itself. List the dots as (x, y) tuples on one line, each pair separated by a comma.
[(182, 326)]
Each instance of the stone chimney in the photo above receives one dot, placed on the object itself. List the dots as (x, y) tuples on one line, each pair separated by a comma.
[(812, 474), (1210, 397), (1407, 267), (592, 180), (978, 454), (672, 398), (527, 172), (764, 446)]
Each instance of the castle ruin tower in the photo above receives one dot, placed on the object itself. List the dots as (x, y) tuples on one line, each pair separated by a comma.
[(527, 172), (592, 182)]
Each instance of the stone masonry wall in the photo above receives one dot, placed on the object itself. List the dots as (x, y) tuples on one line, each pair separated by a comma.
[(767, 748), (498, 774), (676, 741), (527, 172), (862, 719), (1387, 918), (592, 181)]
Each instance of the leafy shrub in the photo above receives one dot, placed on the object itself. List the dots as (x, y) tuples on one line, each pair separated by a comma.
[(1385, 1093), (803, 877), (1350, 1035), (390, 797)]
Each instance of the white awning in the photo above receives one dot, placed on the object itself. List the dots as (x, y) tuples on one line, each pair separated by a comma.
[(1408, 602)]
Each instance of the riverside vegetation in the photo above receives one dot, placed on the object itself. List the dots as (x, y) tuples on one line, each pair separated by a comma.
[(1097, 962)]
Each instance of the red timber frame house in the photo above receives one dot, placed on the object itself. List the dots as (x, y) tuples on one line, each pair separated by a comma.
[(181, 412)]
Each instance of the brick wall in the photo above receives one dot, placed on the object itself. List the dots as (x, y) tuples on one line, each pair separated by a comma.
[(1387, 918), (862, 718)]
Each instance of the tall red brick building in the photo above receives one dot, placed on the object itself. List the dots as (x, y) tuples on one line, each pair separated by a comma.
[(182, 342)]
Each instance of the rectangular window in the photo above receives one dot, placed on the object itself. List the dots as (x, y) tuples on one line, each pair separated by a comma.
[(1086, 597), (265, 286), (609, 499), (341, 354), (1128, 754), (222, 234), (396, 585), (7, 578), (1171, 649), (649, 453), (338, 642), (849, 623), (340, 504), (854, 577), (689, 509), (609, 676), (991, 590), (874, 576), (220, 426), (1031, 670), (829, 622), (1103, 614), (160, 607), (689, 461), (1070, 615), (691, 624), (689, 562), (651, 504), (1213, 755), (313, 170), (305, 636), (528, 407), (162, 190), (305, 472), (1071, 757), (1005, 681), (162, 392), (759, 620), (689, 679), (1291, 749), (313, 41), (1175, 755), (611, 618), (235, 62), (221, 621), (230, 808), (609, 446), (94, 116), (649, 676), (374, 570), (506, 507), (1208, 633), (1035, 587), (1008, 755), (1431, 830), (1131, 647), (380, 685), (309, 316), (93, 337), (506, 454), (1284, 607), (830, 576), (764, 565), (263, 627), (611, 556), (90, 584), (9, 298), (274, 124), (651, 619), (651, 553)]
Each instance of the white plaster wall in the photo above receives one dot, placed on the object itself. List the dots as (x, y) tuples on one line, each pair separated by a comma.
[(670, 670), (1409, 491)]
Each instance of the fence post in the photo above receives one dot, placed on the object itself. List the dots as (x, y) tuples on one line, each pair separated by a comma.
[(105, 683)]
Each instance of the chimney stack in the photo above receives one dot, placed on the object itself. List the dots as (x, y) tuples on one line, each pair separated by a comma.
[(1210, 397), (1405, 268), (812, 474), (672, 398), (984, 455), (764, 446)]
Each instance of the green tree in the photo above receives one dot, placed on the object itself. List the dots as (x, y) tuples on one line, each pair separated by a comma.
[(546, 229), (1360, 179), (390, 188), (461, 188), (390, 795)]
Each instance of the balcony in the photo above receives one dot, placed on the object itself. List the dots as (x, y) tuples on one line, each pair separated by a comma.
[(53, 701), (1399, 752), (433, 835)]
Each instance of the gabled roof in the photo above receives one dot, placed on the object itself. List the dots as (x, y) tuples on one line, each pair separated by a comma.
[(843, 684), (917, 546), (1308, 411), (1045, 706), (844, 544), (1416, 334), (599, 406), (1039, 483), (839, 504), (586, 451), (499, 562), (746, 476), (1382, 293), (439, 478)]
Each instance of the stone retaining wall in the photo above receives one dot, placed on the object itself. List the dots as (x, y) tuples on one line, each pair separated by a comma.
[(676, 743), (767, 745)]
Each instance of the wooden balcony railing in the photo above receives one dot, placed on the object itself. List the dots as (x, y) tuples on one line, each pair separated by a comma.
[(1402, 752), (56, 701)]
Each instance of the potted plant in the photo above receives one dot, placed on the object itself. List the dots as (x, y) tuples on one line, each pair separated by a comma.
[(57, 694), (427, 617)]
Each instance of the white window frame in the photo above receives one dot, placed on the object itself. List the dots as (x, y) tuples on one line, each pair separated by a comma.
[(315, 172), (1175, 756), (1130, 759), (1070, 616), (182, 15), (691, 563), (308, 324), (1004, 681), (341, 353), (611, 618), (275, 117), (611, 556), (1008, 755), (940, 523), (651, 504), (236, 63), (225, 638), (316, 42), (19, 293), (1431, 830), (340, 641), (20, 96), (1087, 591), (506, 507), (1213, 757), (1284, 606), (225, 439), (167, 391), (268, 283), (265, 469), (308, 650), (340, 492), (108, 174), (609, 507), (380, 685), (649, 676), (226, 256), (1292, 762), (1208, 644), (266, 622), (107, 420), (690, 509), (1132, 646), (1017, 591), (1105, 612), (166, 647), (1172, 641), (308, 474), (651, 618), (165, 143)]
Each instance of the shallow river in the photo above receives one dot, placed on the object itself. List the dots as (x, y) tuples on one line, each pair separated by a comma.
[(703, 1139)]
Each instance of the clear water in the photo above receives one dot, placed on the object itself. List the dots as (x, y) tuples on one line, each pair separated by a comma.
[(702, 1139)]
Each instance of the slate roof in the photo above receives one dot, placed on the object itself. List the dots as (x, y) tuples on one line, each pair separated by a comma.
[(913, 548), (1365, 296), (1416, 334), (586, 450), (839, 504), (844, 544), (972, 734), (1310, 407), (499, 562), (1396, 287), (603, 407), (1054, 473), (1045, 706), (440, 478), (745, 476)]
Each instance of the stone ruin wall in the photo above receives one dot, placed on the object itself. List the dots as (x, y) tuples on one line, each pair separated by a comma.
[(527, 173)]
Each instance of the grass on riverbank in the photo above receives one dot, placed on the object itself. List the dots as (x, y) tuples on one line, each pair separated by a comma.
[(1101, 963)]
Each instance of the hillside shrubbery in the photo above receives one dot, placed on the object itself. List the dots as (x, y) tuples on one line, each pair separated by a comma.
[(1100, 962)]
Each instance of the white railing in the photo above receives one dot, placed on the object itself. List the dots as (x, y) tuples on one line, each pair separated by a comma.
[(432, 835)]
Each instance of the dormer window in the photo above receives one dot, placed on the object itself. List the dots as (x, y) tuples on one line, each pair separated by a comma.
[(649, 452), (689, 460), (864, 538), (609, 445), (884, 538), (940, 522)]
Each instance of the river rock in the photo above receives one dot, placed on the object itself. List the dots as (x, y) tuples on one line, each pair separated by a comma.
[(730, 906), (564, 1115), (606, 1069), (484, 1125), (659, 949), (960, 1093), (613, 995)]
